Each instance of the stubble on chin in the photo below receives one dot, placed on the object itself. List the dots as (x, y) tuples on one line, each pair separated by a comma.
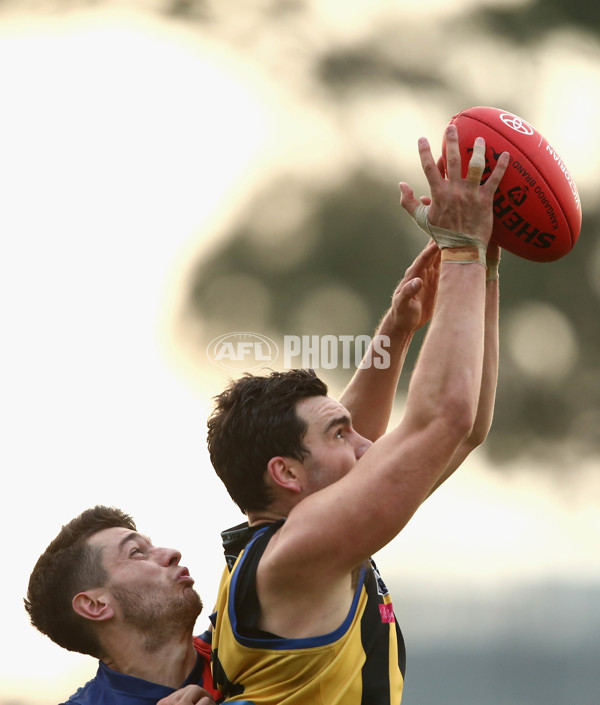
[(155, 618)]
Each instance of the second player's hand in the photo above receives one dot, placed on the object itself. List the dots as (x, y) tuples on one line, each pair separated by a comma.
[(414, 297), (189, 695)]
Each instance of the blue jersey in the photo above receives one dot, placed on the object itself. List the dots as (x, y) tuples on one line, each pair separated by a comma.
[(111, 688)]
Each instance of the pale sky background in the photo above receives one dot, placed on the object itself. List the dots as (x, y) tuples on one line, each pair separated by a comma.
[(127, 144)]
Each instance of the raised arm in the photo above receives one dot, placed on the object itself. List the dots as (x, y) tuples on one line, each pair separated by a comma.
[(369, 397), (332, 530), (489, 379)]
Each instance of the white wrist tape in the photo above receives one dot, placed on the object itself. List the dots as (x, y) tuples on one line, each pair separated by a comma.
[(447, 238)]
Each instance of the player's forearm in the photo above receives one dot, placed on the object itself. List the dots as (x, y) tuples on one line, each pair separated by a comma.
[(489, 377), (489, 380), (370, 394)]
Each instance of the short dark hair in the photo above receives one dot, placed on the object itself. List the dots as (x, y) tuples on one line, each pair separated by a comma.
[(68, 566), (254, 420)]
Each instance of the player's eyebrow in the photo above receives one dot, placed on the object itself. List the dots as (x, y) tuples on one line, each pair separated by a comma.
[(131, 536), (343, 420)]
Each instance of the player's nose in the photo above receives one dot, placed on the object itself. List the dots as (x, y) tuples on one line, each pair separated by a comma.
[(168, 556), (362, 446)]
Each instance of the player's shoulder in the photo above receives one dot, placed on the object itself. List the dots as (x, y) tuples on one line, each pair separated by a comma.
[(85, 695)]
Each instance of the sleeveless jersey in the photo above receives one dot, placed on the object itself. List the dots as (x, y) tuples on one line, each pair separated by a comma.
[(362, 662)]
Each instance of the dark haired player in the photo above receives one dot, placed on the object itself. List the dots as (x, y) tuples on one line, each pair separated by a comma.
[(102, 588), (303, 618)]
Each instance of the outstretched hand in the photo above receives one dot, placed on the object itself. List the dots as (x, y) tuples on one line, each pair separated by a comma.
[(414, 298), (457, 204)]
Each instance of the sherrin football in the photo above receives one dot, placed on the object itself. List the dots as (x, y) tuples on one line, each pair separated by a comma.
[(537, 211)]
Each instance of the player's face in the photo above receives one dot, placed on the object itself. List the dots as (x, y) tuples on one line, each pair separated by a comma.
[(333, 444), (151, 590)]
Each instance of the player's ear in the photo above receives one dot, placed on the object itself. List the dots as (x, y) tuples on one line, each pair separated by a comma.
[(93, 605), (283, 472)]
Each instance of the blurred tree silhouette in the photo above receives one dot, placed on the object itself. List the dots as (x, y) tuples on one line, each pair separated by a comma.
[(296, 239), (354, 226), (531, 21), (362, 243), (351, 233)]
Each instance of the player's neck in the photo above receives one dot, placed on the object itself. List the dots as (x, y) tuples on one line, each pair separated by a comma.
[(265, 516), (280, 508), (168, 663)]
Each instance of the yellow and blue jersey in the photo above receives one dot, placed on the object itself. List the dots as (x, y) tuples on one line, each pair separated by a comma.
[(361, 662)]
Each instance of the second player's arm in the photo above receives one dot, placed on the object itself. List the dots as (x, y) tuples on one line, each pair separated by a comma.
[(369, 396)]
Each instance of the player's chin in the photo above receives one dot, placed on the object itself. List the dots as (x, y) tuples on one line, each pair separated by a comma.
[(194, 598)]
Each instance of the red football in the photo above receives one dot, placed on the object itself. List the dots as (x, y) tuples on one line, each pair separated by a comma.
[(537, 211)]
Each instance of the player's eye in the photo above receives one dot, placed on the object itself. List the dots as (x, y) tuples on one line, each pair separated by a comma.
[(134, 551)]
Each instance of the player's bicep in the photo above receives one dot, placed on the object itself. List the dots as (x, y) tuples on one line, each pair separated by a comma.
[(336, 528)]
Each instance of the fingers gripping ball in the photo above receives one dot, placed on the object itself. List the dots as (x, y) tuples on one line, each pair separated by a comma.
[(537, 210)]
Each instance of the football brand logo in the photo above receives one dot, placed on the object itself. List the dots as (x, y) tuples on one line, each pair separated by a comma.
[(515, 123), (517, 195)]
